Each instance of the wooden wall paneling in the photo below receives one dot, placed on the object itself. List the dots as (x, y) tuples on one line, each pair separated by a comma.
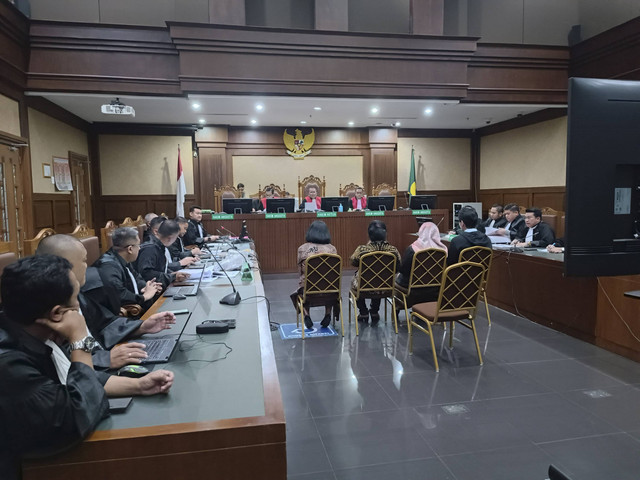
[(553, 197), (14, 54), (227, 12), (53, 210), (118, 207)]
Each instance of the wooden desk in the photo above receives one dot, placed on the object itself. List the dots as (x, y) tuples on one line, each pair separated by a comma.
[(277, 240), (152, 439), (533, 284)]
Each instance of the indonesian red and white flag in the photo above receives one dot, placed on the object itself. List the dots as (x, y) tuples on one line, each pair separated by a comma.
[(181, 188)]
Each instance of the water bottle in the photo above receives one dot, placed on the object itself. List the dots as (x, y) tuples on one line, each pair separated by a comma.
[(340, 208)]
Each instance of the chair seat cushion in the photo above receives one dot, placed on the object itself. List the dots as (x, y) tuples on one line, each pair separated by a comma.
[(400, 288), (428, 310)]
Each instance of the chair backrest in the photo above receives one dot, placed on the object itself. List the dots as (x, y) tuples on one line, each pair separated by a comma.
[(31, 245), (349, 190), (6, 259), (82, 231), (105, 236), (323, 273), (140, 220), (93, 249), (481, 255), (141, 230), (225, 191), (376, 272), (311, 181), (384, 190), (460, 289), (426, 268), (277, 190)]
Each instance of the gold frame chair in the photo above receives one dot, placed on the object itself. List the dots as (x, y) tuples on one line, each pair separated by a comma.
[(105, 234), (322, 283), (277, 191), (426, 272), (311, 179), (376, 279), (344, 191), (457, 302), (483, 256)]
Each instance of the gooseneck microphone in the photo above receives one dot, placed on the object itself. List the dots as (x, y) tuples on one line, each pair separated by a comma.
[(234, 297)]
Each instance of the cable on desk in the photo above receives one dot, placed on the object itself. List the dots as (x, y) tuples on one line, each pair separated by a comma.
[(272, 325), (199, 341)]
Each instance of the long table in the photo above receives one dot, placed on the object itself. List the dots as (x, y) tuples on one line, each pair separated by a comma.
[(277, 239), (223, 418), (533, 284)]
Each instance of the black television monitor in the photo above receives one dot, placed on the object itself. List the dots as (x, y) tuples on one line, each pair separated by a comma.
[(423, 202), (332, 204), (281, 205), (602, 231), (381, 203), (237, 205)]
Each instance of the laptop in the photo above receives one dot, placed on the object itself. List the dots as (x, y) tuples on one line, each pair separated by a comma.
[(159, 350), (189, 290)]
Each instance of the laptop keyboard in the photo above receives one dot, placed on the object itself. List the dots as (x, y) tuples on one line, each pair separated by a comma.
[(180, 290), (158, 349)]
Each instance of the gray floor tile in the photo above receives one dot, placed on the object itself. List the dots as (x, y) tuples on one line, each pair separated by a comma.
[(614, 456), (320, 368), (523, 462), (617, 405), (313, 476), (295, 402), (565, 375), (341, 397), (622, 369), (430, 468), (375, 437), (305, 451), (523, 350), (424, 388)]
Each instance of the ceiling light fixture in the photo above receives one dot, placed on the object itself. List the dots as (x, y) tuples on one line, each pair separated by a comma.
[(317, 108), (253, 121), (259, 107), (202, 121), (396, 124), (351, 123), (428, 111), (374, 110), (195, 106), (303, 122)]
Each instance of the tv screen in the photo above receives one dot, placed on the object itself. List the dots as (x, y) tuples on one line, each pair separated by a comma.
[(381, 203), (423, 202), (237, 205), (331, 204), (281, 205), (602, 232)]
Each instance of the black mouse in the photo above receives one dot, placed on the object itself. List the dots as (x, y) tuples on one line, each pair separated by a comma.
[(133, 371), (179, 296)]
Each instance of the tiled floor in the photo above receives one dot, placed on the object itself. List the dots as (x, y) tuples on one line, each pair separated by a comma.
[(363, 408)]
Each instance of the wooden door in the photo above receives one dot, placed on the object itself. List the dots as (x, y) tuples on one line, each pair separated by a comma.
[(11, 198), (81, 194)]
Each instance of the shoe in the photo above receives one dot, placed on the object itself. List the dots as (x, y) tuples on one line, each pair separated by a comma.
[(375, 318), (326, 321), (308, 322), (363, 318)]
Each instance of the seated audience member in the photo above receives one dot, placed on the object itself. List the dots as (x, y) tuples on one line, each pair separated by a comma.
[(311, 198), (359, 201), (496, 217), (269, 192), (154, 224), (196, 234), (515, 223), (377, 243), (318, 240), (470, 236), (44, 410), (428, 237), (177, 248), (147, 218), (107, 328), (538, 233), (116, 270), (154, 259), (240, 188)]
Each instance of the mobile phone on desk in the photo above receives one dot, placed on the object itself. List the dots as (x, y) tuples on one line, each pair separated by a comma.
[(119, 405)]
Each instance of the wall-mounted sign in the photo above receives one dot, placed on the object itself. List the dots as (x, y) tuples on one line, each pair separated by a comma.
[(62, 174), (299, 141)]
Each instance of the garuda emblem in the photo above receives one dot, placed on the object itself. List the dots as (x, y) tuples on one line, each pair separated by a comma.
[(299, 146)]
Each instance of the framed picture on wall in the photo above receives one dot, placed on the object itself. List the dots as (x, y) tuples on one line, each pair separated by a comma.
[(62, 174), (46, 170)]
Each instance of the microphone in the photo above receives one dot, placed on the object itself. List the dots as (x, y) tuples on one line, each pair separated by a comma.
[(232, 298), (229, 231)]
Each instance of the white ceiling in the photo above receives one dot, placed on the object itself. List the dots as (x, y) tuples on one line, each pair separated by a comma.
[(292, 111)]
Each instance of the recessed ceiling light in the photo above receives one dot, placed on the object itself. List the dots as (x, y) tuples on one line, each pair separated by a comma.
[(375, 110), (397, 124), (195, 106), (428, 111), (202, 120), (351, 123), (317, 108), (303, 122), (253, 121), (259, 107)]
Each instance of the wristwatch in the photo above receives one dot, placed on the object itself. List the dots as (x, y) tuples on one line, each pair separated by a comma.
[(87, 344)]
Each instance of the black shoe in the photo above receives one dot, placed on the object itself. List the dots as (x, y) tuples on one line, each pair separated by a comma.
[(363, 317), (308, 322), (326, 321), (375, 318)]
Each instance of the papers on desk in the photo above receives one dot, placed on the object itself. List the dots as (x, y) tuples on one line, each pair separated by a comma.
[(491, 233)]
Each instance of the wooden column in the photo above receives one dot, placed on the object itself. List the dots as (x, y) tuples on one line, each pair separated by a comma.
[(427, 17), (210, 167), (382, 163), (332, 15), (227, 12)]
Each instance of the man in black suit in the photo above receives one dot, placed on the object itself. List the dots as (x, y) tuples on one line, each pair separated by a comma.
[(116, 270), (515, 227), (196, 234), (496, 217), (538, 233), (177, 249), (469, 237)]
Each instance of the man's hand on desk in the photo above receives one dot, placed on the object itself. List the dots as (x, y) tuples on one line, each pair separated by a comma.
[(126, 354), (156, 323), (181, 277), (151, 290), (186, 261), (211, 238), (158, 381), (195, 251), (501, 231), (554, 249)]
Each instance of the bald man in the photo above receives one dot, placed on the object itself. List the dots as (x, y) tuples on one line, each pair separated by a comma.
[(108, 328)]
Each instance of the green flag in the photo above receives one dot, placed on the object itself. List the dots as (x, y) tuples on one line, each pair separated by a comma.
[(412, 175)]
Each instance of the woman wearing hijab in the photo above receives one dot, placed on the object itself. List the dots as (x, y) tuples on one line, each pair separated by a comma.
[(428, 237)]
